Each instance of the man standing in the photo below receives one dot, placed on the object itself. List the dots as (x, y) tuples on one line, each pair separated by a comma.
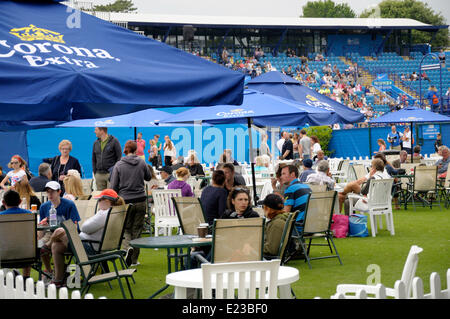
[(304, 147), (127, 179), (281, 141), (296, 194), (287, 151), (438, 142), (393, 138), (105, 154), (407, 140)]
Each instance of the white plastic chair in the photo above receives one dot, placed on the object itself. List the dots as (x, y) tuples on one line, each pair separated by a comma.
[(379, 202), (245, 277), (409, 272), (266, 190), (164, 210)]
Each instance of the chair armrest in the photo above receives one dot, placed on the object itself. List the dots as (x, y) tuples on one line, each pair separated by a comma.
[(200, 258), (119, 253), (96, 259)]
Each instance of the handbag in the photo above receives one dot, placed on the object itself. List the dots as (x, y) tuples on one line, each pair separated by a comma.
[(358, 226), (339, 227)]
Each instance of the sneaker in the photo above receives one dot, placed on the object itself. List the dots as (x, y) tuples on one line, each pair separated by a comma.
[(134, 265), (128, 256), (47, 277)]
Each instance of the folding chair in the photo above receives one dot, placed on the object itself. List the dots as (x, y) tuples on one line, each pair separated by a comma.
[(86, 208), (190, 214), (317, 224), (18, 238), (89, 265), (424, 186)]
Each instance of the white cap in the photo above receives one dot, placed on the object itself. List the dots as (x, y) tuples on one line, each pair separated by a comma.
[(53, 185)]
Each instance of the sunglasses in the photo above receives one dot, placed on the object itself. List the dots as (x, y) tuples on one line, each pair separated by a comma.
[(241, 189), (14, 163)]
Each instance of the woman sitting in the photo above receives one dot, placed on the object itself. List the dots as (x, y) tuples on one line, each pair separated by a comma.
[(18, 172), (73, 186), (262, 163), (214, 197), (194, 166), (180, 182), (273, 210), (25, 191), (239, 204), (92, 229)]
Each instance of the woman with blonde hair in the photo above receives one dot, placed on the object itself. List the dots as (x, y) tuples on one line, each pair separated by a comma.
[(61, 164), (25, 191), (73, 186), (194, 166), (170, 152), (180, 183)]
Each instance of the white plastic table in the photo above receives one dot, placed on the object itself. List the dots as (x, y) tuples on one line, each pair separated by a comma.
[(192, 278)]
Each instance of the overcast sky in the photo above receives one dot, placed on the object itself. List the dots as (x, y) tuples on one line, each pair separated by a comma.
[(262, 8)]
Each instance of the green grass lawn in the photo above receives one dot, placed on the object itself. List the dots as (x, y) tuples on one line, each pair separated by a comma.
[(429, 229)]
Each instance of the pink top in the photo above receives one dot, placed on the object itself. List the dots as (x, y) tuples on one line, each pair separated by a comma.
[(140, 147)]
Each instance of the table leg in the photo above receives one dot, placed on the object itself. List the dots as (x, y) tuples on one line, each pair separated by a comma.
[(285, 292), (180, 293)]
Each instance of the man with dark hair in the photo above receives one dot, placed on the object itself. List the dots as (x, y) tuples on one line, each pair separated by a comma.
[(214, 197), (38, 183), (231, 178), (307, 170), (127, 179), (304, 145), (11, 201), (105, 154), (296, 194), (287, 150)]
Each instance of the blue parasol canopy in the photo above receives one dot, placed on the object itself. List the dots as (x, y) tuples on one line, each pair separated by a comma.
[(411, 114), (279, 84), (59, 64), (264, 109)]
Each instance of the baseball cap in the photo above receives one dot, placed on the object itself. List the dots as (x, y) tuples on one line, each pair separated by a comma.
[(274, 201), (307, 163), (167, 169), (53, 185), (108, 194)]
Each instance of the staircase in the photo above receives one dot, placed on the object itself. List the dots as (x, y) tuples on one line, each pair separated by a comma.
[(365, 78)]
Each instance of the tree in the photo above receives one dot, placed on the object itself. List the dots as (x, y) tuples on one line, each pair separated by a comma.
[(417, 10), (327, 9), (117, 6)]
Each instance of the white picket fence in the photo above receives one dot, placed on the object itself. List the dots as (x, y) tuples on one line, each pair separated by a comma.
[(379, 291), (28, 291)]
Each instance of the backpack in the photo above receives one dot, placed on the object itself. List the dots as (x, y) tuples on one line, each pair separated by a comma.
[(435, 99)]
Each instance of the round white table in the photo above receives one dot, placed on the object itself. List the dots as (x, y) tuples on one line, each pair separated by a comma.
[(192, 278)]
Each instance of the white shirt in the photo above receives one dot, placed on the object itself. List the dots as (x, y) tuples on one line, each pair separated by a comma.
[(92, 228), (15, 177), (280, 144), (172, 152), (316, 148), (407, 143)]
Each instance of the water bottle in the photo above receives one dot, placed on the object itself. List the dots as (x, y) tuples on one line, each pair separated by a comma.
[(53, 221)]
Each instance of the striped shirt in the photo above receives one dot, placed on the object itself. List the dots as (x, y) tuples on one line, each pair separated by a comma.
[(296, 196)]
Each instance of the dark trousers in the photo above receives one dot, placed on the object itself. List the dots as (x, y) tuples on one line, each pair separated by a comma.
[(134, 226)]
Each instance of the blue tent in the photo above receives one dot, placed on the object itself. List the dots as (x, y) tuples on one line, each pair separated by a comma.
[(279, 84), (260, 109), (411, 114), (58, 64), (144, 118), (264, 109)]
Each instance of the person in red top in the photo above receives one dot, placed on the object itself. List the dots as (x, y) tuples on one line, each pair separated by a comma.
[(140, 146)]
